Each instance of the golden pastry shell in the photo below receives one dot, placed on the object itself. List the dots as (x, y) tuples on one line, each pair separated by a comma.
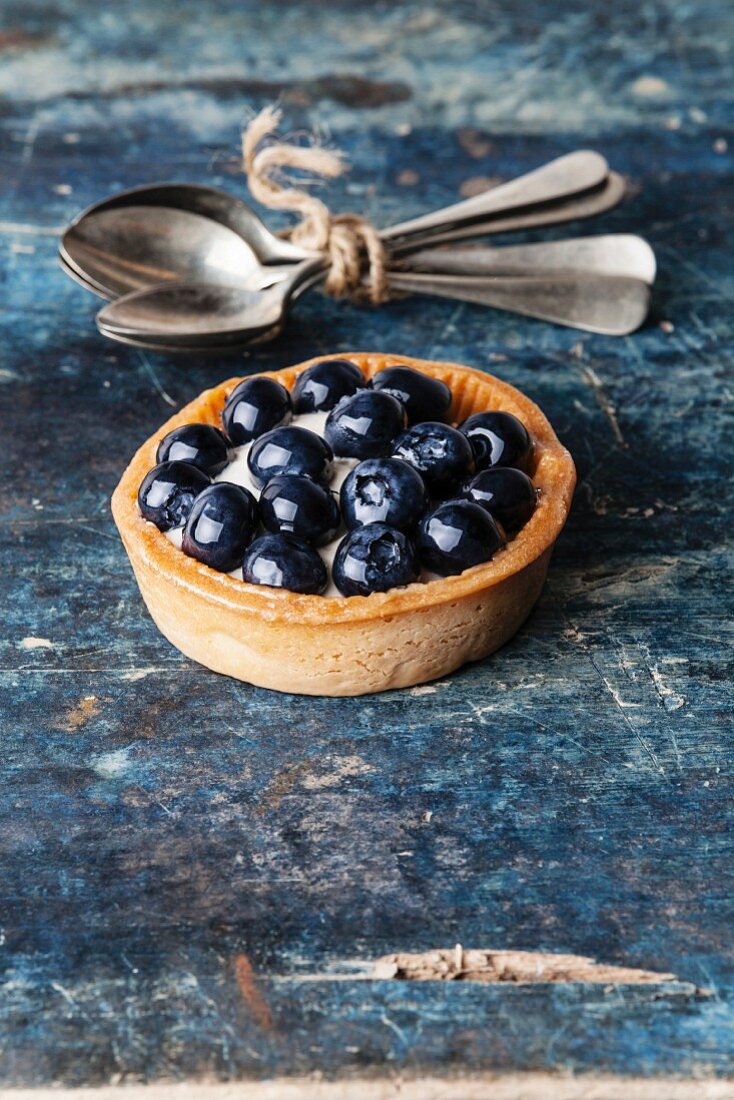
[(344, 645)]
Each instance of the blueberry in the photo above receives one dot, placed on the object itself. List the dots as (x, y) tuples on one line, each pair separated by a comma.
[(498, 439), (168, 491), (220, 525), (383, 490), (455, 536), (321, 385), (255, 406), (441, 455), (365, 424), (424, 398), (283, 561), (289, 451), (372, 559), (300, 506), (198, 444), (508, 495)]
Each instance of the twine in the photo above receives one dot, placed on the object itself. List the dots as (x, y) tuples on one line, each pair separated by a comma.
[(356, 254)]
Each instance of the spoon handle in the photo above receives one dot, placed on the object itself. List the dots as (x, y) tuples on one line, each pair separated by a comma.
[(609, 304), (607, 254), (567, 175), (575, 208)]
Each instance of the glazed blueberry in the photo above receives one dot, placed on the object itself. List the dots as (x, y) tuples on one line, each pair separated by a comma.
[(300, 506), (283, 561), (255, 406), (322, 385), (220, 525), (372, 559), (507, 494), (198, 444), (455, 536), (383, 490), (168, 491), (365, 424), (289, 450), (441, 455), (424, 398), (498, 439)]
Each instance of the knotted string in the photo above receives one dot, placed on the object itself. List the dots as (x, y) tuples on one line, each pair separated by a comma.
[(357, 256)]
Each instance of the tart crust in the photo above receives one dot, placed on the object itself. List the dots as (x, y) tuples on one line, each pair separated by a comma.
[(315, 645)]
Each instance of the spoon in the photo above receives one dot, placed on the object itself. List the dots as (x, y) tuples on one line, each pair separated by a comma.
[(181, 314), (209, 202), (122, 245), (124, 249), (236, 347)]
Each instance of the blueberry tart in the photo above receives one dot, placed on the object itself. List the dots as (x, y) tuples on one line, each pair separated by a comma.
[(328, 531)]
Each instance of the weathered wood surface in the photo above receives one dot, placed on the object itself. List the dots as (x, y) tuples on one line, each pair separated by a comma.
[(395, 1086), (197, 875)]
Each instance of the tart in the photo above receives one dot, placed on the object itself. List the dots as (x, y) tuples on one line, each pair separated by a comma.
[(350, 645)]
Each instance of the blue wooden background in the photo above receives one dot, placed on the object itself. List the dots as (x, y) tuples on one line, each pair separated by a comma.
[(573, 793)]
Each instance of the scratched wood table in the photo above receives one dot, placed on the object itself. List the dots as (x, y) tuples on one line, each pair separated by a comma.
[(197, 877)]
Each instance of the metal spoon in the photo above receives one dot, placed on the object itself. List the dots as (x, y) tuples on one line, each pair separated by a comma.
[(560, 178), (585, 206), (123, 244), (150, 341), (209, 202), (613, 305), (124, 249)]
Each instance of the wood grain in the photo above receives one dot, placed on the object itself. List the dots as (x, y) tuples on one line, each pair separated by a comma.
[(572, 795)]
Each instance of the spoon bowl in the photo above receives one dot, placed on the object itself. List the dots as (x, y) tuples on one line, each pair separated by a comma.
[(125, 249), (181, 315), (208, 202), (196, 310)]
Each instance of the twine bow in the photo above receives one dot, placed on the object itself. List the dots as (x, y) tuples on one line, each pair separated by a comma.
[(357, 256)]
